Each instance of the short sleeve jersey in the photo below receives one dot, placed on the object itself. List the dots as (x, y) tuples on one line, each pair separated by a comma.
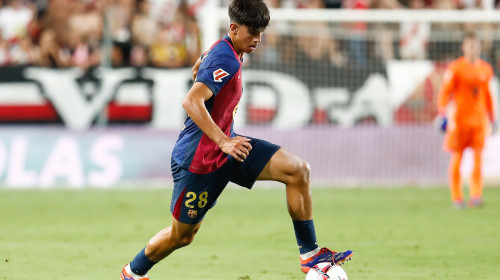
[(220, 70)]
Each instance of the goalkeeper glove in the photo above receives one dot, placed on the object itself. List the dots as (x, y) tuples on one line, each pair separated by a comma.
[(443, 124)]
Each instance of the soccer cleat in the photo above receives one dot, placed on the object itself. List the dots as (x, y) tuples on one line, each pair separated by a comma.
[(459, 204), (325, 255), (127, 274), (476, 203)]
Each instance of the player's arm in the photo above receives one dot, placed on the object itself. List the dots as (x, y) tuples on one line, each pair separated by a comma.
[(194, 104), (194, 70), (489, 103), (489, 99), (444, 97), (444, 94)]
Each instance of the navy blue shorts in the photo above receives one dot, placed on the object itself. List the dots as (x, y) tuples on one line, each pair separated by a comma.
[(194, 194)]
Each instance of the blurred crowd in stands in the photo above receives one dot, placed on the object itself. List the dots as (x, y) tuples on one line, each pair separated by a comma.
[(166, 33), (73, 33)]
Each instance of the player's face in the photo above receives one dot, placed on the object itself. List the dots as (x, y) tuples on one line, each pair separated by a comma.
[(246, 40), (471, 48)]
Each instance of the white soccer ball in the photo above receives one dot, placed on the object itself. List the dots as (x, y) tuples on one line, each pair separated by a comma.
[(326, 271)]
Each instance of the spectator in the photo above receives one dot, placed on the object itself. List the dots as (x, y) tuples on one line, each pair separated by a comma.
[(84, 54), (269, 52), (14, 20), (165, 11), (193, 40), (51, 54), (57, 18), (169, 48), (139, 56), (317, 45), (414, 35), (23, 53), (143, 28), (143, 25), (357, 32), (86, 21), (177, 42), (384, 49), (4, 52), (120, 13)]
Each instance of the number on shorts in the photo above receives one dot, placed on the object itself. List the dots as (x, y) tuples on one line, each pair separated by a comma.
[(191, 196), (203, 199)]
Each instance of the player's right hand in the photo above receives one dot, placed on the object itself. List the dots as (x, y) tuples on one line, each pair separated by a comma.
[(238, 147), (442, 123)]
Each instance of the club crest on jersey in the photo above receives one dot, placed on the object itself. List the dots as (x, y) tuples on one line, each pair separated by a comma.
[(192, 213), (219, 74)]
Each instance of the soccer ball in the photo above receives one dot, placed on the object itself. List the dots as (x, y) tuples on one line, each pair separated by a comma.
[(326, 271)]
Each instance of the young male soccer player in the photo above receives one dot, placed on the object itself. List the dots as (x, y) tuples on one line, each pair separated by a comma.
[(208, 154), (465, 88)]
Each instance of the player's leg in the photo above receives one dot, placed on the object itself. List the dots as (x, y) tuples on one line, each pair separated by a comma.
[(193, 195), (455, 180), (165, 242), (294, 172), (289, 169), (455, 142), (476, 181)]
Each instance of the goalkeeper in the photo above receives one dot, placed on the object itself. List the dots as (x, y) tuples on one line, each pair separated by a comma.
[(466, 99)]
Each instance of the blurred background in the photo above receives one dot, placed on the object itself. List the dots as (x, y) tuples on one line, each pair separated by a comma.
[(91, 90)]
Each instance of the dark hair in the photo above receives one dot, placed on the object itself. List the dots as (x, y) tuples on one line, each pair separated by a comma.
[(254, 14), (470, 35)]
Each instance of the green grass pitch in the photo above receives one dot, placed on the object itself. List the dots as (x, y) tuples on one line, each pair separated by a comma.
[(402, 233)]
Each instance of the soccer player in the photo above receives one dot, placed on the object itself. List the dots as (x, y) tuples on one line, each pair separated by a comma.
[(208, 154), (466, 97)]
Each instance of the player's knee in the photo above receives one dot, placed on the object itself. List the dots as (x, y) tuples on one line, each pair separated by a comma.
[(182, 239), (301, 173), (185, 239)]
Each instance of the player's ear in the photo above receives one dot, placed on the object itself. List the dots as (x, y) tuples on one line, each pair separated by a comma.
[(234, 28)]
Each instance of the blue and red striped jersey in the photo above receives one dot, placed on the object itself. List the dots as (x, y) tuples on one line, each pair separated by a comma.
[(220, 70)]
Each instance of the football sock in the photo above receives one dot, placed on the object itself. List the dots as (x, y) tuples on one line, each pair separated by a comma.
[(141, 264), (309, 254), (476, 180), (305, 235), (454, 177), (135, 276)]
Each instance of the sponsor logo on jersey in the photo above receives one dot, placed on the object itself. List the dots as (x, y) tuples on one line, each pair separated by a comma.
[(192, 213), (219, 74)]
